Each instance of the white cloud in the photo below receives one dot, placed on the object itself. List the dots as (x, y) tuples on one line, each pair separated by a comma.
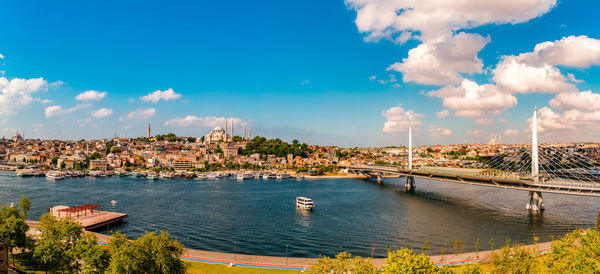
[(574, 51), (572, 78), (46, 101), (398, 119), (304, 82), (90, 95), (58, 110), (139, 114), (442, 114), (517, 76), (474, 101), (437, 132), (440, 62), (485, 121), (585, 124), (103, 112), (512, 132), (443, 55), (1, 56), (158, 95), (16, 93), (210, 121), (37, 127), (585, 100)]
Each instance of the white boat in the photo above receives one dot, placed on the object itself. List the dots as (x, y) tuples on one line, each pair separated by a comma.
[(54, 175), (269, 176), (165, 175), (25, 173), (304, 203), (283, 176), (151, 176), (201, 176), (245, 176)]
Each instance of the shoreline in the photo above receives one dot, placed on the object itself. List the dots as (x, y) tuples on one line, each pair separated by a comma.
[(298, 263)]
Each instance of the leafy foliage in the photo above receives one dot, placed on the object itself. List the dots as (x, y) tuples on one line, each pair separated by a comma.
[(276, 147), (150, 253), (13, 228), (406, 261), (63, 246)]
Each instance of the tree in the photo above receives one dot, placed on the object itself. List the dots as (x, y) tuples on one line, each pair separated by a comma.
[(342, 263), (150, 253), (13, 228), (191, 139), (406, 261), (63, 246)]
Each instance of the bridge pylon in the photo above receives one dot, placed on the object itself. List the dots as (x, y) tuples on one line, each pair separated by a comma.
[(535, 202), (410, 180)]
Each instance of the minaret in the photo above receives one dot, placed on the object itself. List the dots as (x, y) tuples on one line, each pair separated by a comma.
[(249, 134), (148, 130), (226, 138), (244, 132), (232, 129)]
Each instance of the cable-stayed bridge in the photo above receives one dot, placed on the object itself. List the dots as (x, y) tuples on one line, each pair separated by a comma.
[(535, 168)]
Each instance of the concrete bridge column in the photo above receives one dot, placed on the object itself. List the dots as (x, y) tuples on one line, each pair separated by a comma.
[(379, 177), (535, 202), (410, 183)]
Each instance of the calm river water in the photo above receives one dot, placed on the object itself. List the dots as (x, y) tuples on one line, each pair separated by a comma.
[(351, 214)]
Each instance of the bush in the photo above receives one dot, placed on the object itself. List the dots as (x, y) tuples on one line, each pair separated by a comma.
[(342, 263), (406, 261)]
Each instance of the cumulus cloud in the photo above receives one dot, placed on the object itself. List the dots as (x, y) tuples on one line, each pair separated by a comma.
[(90, 95), (158, 95), (512, 132), (585, 100), (103, 112), (443, 55), (570, 120), (517, 76), (139, 114), (17, 93), (46, 101), (474, 101), (442, 61), (442, 114), (573, 51), (398, 119), (437, 132), (1, 56), (210, 121)]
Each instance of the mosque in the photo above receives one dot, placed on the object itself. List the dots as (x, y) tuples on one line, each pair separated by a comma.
[(220, 135)]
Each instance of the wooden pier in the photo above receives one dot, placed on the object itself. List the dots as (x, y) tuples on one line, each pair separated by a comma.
[(89, 216)]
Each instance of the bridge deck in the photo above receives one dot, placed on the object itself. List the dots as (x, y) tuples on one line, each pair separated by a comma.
[(508, 182)]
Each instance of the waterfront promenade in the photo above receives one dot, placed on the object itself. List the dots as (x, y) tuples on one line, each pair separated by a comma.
[(295, 263)]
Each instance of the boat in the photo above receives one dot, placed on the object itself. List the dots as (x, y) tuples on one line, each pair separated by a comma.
[(25, 173), (151, 176), (201, 176), (55, 175), (245, 175), (165, 175), (269, 176), (304, 203), (135, 174), (299, 177), (189, 175), (283, 176)]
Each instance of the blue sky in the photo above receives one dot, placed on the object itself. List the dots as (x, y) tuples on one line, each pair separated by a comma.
[(285, 69)]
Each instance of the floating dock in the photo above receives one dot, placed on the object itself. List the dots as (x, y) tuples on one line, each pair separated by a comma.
[(89, 216)]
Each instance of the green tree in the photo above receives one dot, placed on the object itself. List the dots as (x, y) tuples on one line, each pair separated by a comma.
[(63, 246), (342, 263), (150, 253), (406, 261), (13, 228), (577, 252)]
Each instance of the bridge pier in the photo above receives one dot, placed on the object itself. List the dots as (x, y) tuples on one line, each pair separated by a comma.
[(410, 183), (379, 177), (535, 202)]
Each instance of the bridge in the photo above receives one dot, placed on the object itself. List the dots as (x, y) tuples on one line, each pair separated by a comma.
[(584, 181)]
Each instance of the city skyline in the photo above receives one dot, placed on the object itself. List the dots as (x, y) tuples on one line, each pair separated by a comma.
[(325, 73)]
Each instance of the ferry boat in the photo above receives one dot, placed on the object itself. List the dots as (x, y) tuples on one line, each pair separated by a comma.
[(54, 175), (304, 203), (245, 175), (135, 174), (282, 176)]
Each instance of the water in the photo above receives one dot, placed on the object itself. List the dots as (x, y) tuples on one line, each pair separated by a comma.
[(259, 216)]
